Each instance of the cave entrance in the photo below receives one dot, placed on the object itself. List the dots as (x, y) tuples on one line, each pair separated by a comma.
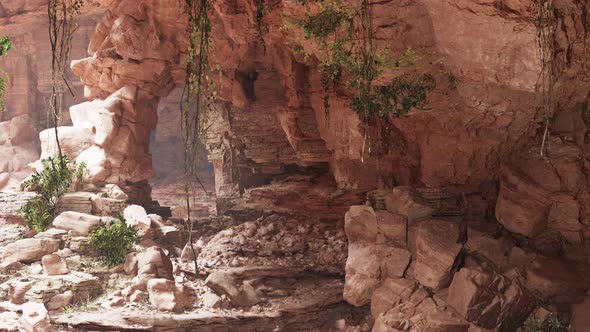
[(167, 152)]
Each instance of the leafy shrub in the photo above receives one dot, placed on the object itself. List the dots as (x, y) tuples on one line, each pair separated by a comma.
[(51, 183), (550, 324), (345, 34), (36, 214), (114, 241), (5, 46)]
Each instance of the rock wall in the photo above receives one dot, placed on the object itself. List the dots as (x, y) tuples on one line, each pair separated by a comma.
[(29, 66), (134, 59), (470, 129)]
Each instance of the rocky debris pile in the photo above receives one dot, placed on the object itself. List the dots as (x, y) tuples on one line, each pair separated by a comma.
[(301, 197), (153, 279), (453, 275), (277, 241), (402, 305)]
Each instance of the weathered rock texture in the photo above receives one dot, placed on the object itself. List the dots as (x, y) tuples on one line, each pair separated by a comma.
[(460, 142), (133, 54), (28, 64)]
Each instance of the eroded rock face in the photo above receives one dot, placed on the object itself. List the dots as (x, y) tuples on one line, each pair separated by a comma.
[(125, 76), (28, 65)]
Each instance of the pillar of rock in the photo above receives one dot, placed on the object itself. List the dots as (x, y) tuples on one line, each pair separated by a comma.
[(134, 55)]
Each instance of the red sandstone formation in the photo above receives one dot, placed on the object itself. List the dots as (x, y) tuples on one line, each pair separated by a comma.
[(445, 219)]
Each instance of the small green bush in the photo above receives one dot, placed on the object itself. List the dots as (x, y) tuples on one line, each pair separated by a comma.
[(114, 241), (550, 324), (5, 46), (51, 183), (36, 214)]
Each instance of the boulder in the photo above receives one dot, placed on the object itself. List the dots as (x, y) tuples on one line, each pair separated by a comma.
[(60, 301), (359, 288), (522, 206), (564, 216), (78, 223), (407, 202), (423, 315), (137, 217), (482, 243), (17, 291), (153, 263), (238, 292), (211, 300), (552, 280), (188, 255), (392, 292), (131, 264), (54, 265), (368, 265), (489, 300), (373, 251), (113, 191), (9, 321), (393, 228), (360, 224), (72, 140), (165, 296), (35, 318), (29, 250), (436, 250), (21, 129)]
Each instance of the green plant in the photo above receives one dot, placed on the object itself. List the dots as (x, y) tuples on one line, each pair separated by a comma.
[(5, 46), (51, 183), (345, 35), (114, 241), (549, 324)]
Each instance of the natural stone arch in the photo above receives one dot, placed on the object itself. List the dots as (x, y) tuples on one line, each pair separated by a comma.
[(134, 61)]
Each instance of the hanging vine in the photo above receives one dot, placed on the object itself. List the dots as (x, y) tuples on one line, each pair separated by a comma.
[(345, 35), (63, 23), (5, 46), (545, 23), (197, 99)]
